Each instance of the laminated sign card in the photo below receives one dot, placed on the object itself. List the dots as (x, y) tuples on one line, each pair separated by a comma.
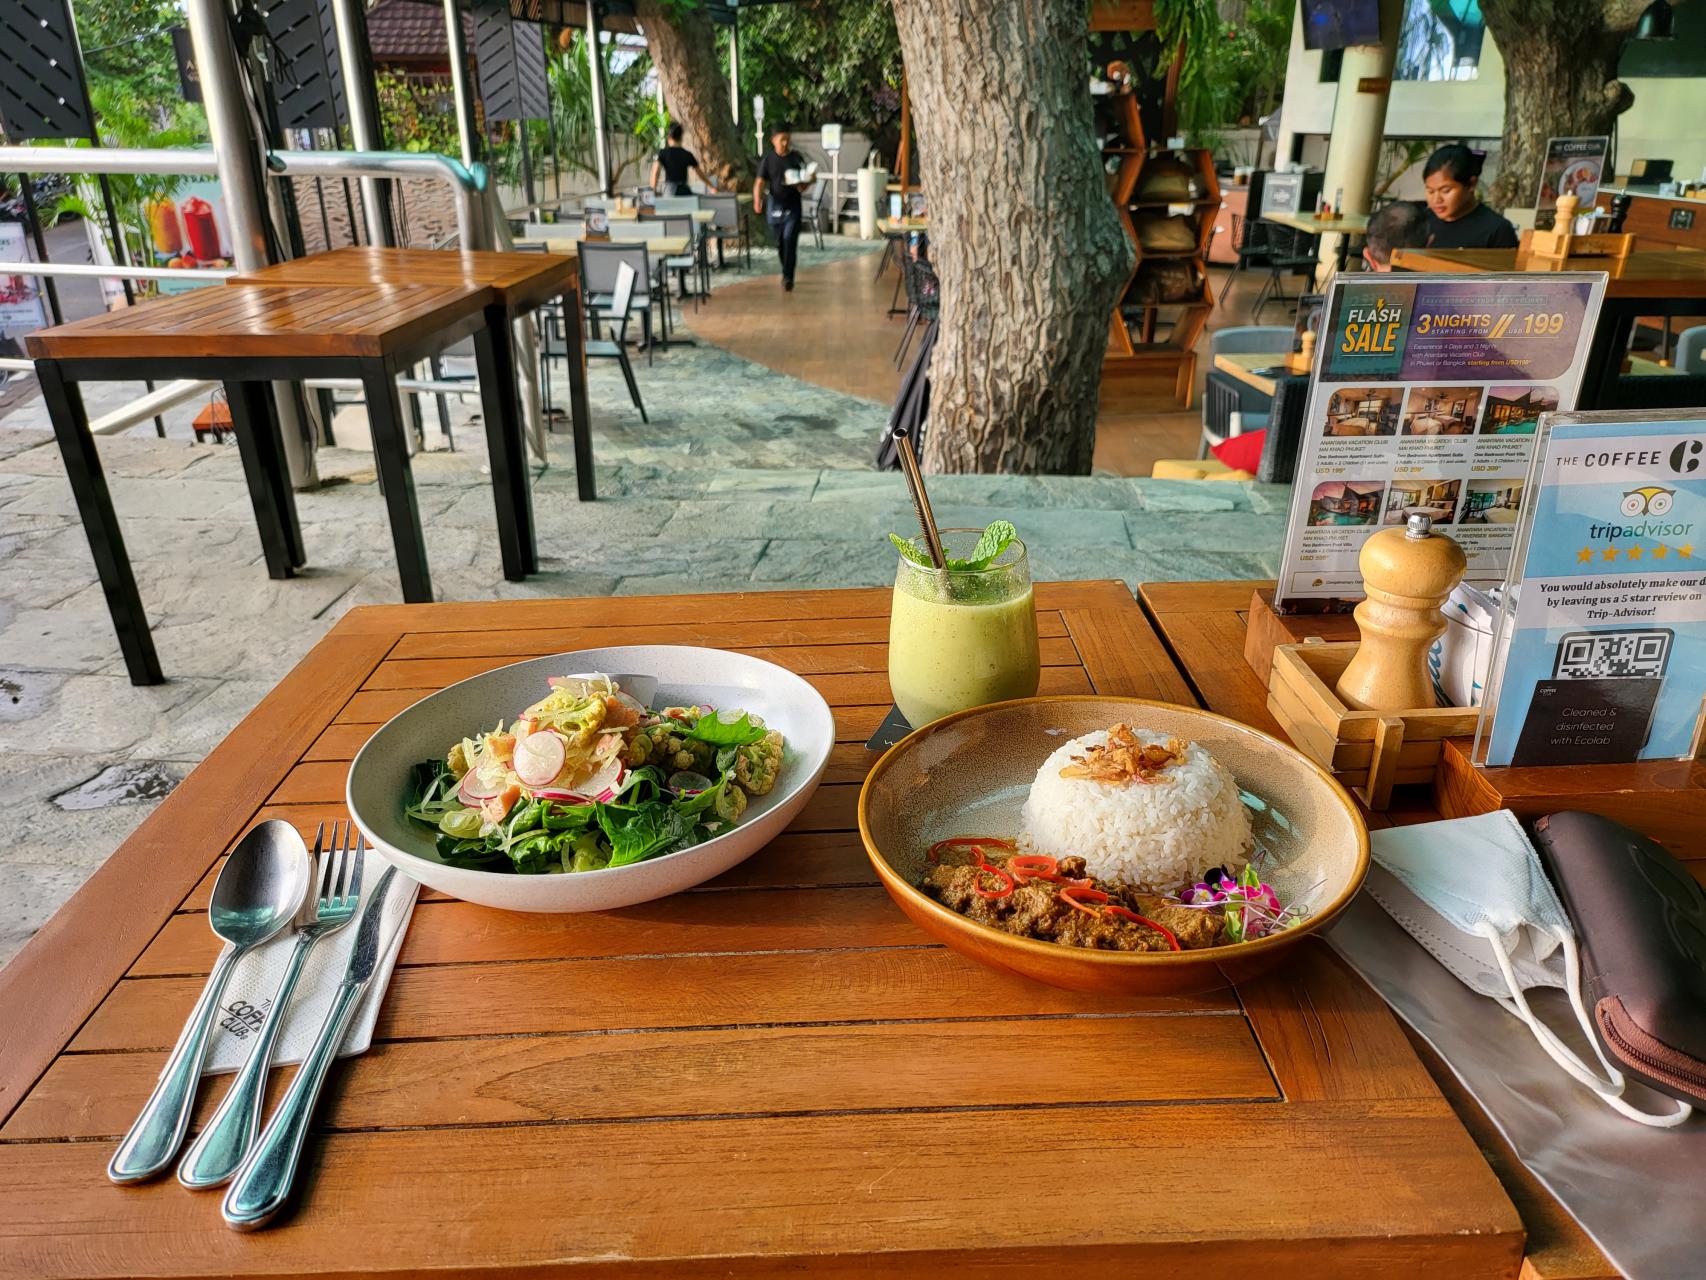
[(1424, 398), (1605, 607)]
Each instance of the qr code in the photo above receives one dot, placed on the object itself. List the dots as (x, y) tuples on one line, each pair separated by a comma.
[(1588, 655)]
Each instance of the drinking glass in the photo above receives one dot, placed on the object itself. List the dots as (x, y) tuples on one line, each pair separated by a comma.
[(960, 639)]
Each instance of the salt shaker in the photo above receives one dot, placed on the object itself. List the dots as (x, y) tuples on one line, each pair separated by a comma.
[(1407, 574)]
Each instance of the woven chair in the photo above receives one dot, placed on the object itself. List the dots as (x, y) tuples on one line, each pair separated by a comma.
[(923, 300)]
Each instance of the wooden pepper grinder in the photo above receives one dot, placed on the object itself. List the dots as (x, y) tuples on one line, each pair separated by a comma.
[(1407, 573)]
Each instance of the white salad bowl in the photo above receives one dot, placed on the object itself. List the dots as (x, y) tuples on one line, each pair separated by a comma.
[(379, 775)]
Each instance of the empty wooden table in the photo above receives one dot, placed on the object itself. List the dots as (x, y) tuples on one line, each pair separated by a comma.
[(246, 336), (774, 1074), (1344, 227), (1648, 282), (521, 283)]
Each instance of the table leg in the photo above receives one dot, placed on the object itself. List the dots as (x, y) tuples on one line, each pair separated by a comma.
[(259, 446), (1605, 356), (580, 412), (100, 522), (506, 454), (391, 457)]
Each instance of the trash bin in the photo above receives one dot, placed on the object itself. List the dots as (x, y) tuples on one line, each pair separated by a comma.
[(873, 184)]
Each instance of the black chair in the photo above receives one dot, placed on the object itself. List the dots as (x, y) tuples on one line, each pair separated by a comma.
[(1284, 440), (911, 405), (923, 299), (1289, 252), (1249, 244), (728, 224), (818, 207)]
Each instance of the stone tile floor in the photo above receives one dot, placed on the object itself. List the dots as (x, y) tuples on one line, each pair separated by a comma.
[(745, 480)]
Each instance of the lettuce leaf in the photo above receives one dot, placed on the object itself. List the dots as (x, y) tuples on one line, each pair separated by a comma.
[(721, 732)]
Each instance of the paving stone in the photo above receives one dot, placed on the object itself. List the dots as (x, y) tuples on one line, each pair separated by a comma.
[(120, 456), (849, 521), (193, 729), (1191, 495), (133, 782), (66, 639), (32, 892), (1270, 498), (85, 714), (1053, 526), (769, 483), (815, 563), (1196, 531), (16, 440)]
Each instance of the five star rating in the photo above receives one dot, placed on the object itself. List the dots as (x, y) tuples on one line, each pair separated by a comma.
[(1660, 552)]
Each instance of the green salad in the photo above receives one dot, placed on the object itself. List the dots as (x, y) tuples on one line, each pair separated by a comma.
[(588, 778)]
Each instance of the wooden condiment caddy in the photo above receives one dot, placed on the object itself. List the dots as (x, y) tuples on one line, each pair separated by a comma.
[(1365, 710), (1561, 242)]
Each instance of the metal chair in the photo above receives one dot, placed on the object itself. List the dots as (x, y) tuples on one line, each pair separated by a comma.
[(923, 300), (1290, 252), (598, 347), (1249, 244), (819, 205), (601, 264), (727, 224), (1224, 395), (1691, 349), (681, 263)]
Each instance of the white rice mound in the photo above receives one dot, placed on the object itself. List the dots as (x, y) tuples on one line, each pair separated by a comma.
[(1157, 835)]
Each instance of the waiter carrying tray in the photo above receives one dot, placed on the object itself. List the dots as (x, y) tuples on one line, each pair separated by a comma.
[(778, 198)]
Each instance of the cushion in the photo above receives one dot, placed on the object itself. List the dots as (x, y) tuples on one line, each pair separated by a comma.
[(1242, 452), (1157, 233), (1166, 177), (1194, 469)]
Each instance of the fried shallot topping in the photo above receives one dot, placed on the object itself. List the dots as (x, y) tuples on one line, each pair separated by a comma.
[(1124, 758)]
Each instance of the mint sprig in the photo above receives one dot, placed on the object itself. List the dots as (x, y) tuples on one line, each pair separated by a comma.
[(993, 541)]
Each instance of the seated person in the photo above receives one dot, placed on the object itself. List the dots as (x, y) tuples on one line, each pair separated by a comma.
[(1456, 217), (1402, 224)]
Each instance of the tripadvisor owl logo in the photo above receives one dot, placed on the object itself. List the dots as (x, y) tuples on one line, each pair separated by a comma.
[(1642, 508)]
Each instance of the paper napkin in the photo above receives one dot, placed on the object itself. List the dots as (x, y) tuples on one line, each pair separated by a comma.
[(249, 994)]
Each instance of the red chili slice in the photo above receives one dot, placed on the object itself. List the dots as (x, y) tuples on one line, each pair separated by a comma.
[(1006, 879), (968, 842), (1034, 864), (1129, 914), (1080, 897)]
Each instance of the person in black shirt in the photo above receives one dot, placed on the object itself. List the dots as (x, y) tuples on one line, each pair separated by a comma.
[(779, 200), (1456, 217), (673, 165)]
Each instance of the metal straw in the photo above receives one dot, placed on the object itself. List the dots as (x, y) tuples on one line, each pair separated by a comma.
[(920, 499)]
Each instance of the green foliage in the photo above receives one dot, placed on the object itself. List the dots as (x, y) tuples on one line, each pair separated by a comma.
[(825, 61), (628, 108), (1232, 73), (416, 116), (127, 47)]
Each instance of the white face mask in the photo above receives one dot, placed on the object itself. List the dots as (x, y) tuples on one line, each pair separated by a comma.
[(1473, 893)]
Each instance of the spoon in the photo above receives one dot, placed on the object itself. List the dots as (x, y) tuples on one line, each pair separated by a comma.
[(257, 894)]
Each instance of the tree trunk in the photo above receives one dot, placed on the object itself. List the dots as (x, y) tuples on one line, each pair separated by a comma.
[(1027, 245), (1560, 80), (684, 47)]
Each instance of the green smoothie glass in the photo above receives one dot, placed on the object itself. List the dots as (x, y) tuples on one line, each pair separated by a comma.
[(962, 638)]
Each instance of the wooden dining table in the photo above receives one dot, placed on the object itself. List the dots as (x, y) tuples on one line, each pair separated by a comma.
[(520, 283), (1648, 282), (245, 336), (775, 1073)]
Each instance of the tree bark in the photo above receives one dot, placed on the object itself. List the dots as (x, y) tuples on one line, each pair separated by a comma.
[(1025, 241), (1560, 80), (683, 46)]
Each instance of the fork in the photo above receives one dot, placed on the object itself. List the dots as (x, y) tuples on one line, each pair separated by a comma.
[(219, 1149)]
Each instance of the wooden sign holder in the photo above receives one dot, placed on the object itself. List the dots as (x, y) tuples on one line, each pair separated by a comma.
[(1561, 242)]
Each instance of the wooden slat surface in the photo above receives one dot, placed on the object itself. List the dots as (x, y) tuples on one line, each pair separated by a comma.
[(771, 1073), (1202, 624), (247, 320), (522, 281)]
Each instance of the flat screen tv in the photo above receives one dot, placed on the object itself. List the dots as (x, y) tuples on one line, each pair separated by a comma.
[(1339, 24)]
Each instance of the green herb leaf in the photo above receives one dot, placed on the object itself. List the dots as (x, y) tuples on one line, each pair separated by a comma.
[(911, 552), (720, 732), (995, 539)]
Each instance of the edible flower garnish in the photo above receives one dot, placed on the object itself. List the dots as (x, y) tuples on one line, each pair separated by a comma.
[(1124, 759), (997, 536), (1251, 908)]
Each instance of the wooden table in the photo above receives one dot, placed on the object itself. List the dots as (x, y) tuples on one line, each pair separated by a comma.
[(774, 1074), (1243, 365), (521, 283), (1662, 282), (1344, 227), (565, 244), (1202, 624), (246, 336)]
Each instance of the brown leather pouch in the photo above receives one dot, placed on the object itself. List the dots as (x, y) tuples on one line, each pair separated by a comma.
[(1641, 920)]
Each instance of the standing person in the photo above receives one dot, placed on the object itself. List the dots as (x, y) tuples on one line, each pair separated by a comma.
[(673, 164), (1456, 217), (783, 208), (1402, 224)]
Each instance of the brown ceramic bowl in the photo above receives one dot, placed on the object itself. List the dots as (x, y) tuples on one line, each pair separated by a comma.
[(969, 774)]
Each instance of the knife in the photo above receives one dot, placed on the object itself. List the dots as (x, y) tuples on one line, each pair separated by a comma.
[(262, 1185)]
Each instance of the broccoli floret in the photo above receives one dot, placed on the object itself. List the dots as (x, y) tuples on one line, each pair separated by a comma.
[(757, 764), (664, 746), (730, 804)]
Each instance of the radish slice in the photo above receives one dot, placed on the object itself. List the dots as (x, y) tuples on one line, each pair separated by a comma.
[(557, 793), (473, 790), (605, 779), (539, 758)]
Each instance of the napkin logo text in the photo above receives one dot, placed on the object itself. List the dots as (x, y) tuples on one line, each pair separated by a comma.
[(243, 1019)]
